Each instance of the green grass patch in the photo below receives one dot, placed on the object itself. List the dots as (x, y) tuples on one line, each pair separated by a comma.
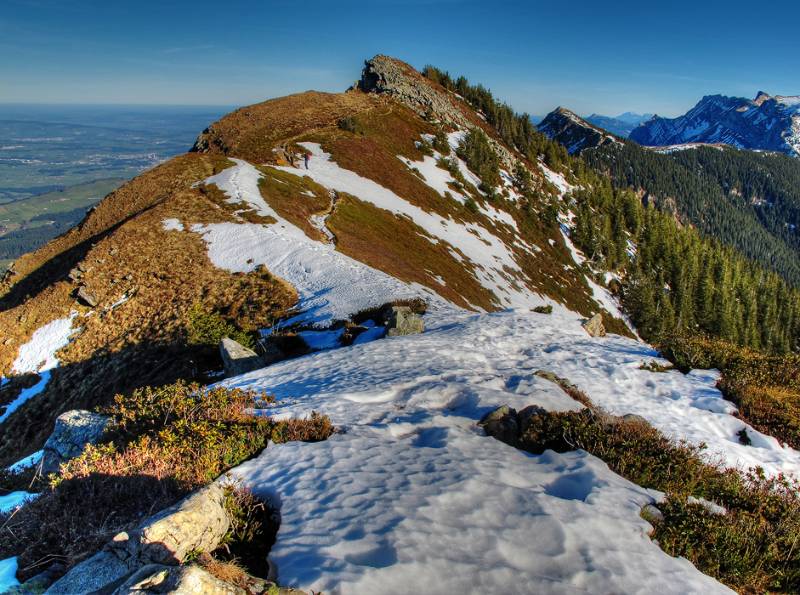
[(209, 328)]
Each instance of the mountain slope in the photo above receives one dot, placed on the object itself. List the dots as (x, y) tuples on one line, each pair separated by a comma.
[(300, 217), (375, 195), (747, 200), (621, 125), (765, 123)]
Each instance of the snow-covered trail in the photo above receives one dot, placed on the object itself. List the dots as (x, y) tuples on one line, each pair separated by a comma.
[(491, 260), (412, 496), (331, 285)]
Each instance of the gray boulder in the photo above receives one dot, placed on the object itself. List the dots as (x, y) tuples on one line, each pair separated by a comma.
[(238, 359), (525, 415), (177, 580), (594, 326), (198, 523), (501, 424), (73, 431), (85, 296), (401, 320)]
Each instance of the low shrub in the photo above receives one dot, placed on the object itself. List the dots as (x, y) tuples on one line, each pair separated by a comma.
[(208, 328), (548, 309), (350, 124), (752, 547), (165, 442), (765, 388)]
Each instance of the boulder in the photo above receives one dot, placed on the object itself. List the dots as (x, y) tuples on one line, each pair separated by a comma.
[(177, 580), (237, 358), (594, 326), (74, 275), (401, 320), (501, 424), (198, 523), (85, 296), (652, 514), (635, 419), (525, 415), (73, 431)]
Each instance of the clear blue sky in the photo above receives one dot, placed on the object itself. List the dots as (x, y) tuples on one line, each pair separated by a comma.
[(604, 57)]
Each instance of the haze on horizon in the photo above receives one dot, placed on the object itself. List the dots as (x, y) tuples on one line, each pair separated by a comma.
[(632, 56)]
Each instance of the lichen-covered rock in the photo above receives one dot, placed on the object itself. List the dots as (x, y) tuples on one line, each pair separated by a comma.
[(238, 359), (401, 320), (197, 523), (594, 326), (177, 580), (502, 424), (73, 431), (86, 297)]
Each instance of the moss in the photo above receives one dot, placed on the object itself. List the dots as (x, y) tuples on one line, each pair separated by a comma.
[(209, 328)]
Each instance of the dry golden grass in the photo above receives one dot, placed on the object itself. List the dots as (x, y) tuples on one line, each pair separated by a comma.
[(253, 132), (142, 341), (295, 199), (400, 248)]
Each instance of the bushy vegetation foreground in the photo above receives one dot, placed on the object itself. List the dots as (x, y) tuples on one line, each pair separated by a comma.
[(162, 443), (752, 545)]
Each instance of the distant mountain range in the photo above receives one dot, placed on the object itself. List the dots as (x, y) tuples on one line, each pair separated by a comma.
[(768, 123), (621, 125)]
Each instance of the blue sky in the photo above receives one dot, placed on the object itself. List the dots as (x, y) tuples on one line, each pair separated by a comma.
[(604, 57)]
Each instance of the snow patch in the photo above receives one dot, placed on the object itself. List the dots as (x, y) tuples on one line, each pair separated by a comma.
[(172, 224), (413, 495)]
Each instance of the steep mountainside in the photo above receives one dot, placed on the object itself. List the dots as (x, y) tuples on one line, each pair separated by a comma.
[(766, 123), (621, 125), (373, 192), (572, 131), (750, 201), (403, 258)]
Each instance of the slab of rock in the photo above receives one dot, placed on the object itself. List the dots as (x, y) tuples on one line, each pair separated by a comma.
[(177, 580), (238, 359), (196, 524), (594, 326), (501, 424), (401, 320), (87, 297), (73, 431)]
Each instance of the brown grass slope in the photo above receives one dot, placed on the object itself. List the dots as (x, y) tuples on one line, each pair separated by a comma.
[(125, 251)]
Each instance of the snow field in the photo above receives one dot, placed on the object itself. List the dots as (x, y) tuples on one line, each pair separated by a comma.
[(413, 496)]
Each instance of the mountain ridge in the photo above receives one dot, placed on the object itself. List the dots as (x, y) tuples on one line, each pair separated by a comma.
[(770, 123)]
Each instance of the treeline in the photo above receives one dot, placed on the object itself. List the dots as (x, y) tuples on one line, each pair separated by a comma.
[(674, 280), (747, 200), (515, 129)]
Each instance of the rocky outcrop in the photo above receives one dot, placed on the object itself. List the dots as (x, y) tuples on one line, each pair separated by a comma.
[(177, 580), (388, 76), (195, 524), (594, 326), (238, 359), (73, 431), (86, 297), (402, 320)]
